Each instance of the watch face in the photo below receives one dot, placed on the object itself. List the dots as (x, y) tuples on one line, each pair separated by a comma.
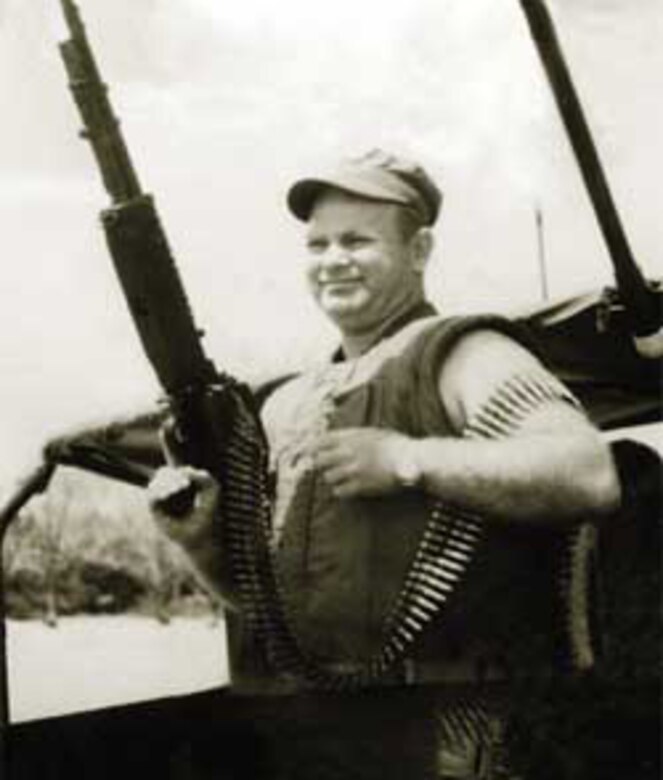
[(407, 470)]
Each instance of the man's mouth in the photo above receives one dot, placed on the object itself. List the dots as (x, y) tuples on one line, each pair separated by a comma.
[(341, 282)]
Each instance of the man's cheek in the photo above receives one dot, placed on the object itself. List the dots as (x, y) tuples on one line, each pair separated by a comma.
[(313, 286)]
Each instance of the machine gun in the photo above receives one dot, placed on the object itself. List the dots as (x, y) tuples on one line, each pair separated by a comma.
[(215, 423), (206, 406)]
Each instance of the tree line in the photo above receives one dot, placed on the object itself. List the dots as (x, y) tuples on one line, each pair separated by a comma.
[(88, 545)]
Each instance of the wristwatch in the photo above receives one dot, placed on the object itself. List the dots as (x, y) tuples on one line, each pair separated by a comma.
[(407, 468)]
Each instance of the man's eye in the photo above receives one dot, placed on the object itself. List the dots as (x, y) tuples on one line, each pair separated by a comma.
[(355, 242), (316, 245)]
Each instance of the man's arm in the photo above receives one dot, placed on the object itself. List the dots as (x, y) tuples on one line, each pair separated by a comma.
[(553, 468)]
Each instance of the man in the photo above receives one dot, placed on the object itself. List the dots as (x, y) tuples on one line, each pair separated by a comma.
[(415, 416)]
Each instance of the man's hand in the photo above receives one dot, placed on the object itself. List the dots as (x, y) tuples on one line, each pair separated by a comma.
[(195, 528), (360, 461), (192, 527)]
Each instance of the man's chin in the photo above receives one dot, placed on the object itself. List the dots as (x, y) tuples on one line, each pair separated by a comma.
[(347, 319), (341, 307)]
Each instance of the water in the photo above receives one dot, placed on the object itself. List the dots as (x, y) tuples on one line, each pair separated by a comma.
[(88, 663)]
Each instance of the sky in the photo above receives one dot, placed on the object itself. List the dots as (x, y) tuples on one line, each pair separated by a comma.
[(224, 104)]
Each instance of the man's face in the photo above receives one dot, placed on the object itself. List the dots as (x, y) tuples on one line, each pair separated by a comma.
[(363, 270)]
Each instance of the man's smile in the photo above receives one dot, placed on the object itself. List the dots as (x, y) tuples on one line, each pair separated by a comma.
[(340, 283)]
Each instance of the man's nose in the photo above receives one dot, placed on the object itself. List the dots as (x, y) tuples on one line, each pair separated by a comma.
[(336, 255)]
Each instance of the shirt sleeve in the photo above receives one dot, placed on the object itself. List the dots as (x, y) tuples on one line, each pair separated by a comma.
[(492, 386)]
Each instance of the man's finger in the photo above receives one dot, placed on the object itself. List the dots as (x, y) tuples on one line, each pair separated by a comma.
[(337, 475), (346, 489), (200, 477), (331, 440), (328, 459), (208, 490), (167, 480), (174, 491)]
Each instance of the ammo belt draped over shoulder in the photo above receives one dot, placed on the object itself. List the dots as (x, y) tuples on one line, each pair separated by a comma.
[(445, 551)]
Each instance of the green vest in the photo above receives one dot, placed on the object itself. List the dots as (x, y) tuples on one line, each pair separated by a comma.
[(342, 563)]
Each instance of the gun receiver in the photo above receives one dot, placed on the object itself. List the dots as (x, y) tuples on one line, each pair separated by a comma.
[(640, 301)]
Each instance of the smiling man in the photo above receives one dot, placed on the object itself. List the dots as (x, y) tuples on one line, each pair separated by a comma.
[(432, 462)]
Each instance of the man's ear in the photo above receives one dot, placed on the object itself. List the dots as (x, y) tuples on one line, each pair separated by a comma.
[(422, 248)]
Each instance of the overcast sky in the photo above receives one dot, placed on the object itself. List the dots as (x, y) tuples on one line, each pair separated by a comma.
[(224, 103)]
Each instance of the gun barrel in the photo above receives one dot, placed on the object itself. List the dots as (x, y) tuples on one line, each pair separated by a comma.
[(639, 300), (101, 127), (144, 264), (72, 18)]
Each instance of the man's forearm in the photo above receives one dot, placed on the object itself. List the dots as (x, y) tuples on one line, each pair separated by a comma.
[(551, 478)]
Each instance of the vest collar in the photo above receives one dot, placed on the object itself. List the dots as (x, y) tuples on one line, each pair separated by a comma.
[(416, 312)]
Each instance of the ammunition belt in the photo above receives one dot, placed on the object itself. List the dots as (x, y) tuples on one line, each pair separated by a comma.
[(445, 551)]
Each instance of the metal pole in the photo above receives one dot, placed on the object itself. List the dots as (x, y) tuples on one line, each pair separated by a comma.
[(639, 300), (36, 483)]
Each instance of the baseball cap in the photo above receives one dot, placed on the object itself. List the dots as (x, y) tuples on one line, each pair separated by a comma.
[(376, 175)]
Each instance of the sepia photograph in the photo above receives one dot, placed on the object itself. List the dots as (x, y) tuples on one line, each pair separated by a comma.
[(330, 421)]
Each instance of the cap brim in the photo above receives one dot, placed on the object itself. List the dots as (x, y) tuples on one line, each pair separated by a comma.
[(303, 193)]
